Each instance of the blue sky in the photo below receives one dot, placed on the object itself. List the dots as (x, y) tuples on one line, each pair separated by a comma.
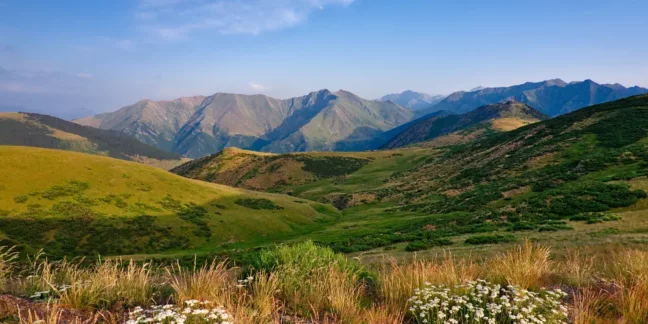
[(63, 57)]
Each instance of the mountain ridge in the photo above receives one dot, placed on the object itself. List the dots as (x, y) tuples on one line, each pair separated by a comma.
[(320, 120), (413, 100), (553, 97), (37, 130)]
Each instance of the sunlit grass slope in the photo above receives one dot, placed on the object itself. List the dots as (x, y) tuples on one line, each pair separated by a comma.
[(73, 203)]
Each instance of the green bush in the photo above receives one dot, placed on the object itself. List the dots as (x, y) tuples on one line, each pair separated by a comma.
[(260, 203), (490, 239)]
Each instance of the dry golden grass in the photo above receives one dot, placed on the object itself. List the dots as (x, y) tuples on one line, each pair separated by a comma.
[(510, 123), (588, 303), (397, 281), (265, 288), (210, 282), (602, 290), (526, 266), (7, 257)]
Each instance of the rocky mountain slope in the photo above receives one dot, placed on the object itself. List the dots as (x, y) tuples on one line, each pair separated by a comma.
[(552, 97), (413, 100), (28, 129), (197, 126)]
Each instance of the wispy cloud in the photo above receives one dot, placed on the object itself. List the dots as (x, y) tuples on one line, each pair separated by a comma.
[(256, 86), (177, 19)]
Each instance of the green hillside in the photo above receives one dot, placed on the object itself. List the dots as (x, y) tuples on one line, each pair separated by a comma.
[(77, 204), (574, 174), (28, 129), (453, 129)]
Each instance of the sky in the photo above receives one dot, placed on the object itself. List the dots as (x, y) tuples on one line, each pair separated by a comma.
[(74, 58)]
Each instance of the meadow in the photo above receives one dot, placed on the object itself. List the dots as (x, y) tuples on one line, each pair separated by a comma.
[(306, 283)]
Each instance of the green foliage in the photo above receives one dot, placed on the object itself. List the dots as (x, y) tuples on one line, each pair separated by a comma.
[(304, 258), (70, 188), (257, 203), (21, 199), (330, 166), (489, 239), (424, 245)]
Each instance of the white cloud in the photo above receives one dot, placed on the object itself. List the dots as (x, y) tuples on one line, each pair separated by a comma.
[(176, 19), (256, 86)]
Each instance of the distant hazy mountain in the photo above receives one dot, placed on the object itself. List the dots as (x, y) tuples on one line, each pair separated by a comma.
[(199, 126), (28, 129), (552, 97), (498, 117), (413, 100)]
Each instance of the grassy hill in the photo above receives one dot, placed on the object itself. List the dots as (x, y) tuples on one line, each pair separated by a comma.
[(78, 204), (28, 129), (453, 129), (580, 177)]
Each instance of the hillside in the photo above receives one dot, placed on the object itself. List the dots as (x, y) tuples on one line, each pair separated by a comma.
[(262, 171), (27, 129), (552, 97), (113, 207), (413, 100), (504, 116), (584, 171), (199, 126)]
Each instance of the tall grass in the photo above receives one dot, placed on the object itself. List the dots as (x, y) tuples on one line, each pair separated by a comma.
[(7, 258), (304, 282), (526, 266), (212, 282), (397, 281)]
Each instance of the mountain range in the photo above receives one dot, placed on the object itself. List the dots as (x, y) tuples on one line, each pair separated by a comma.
[(413, 100), (324, 120), (36, 130), (552, 97), (199, 126)]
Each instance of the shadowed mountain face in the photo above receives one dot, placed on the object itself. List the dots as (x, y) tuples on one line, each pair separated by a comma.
[(199, 126), (413, 100), (27, 129), (504, 116), (552, 97)]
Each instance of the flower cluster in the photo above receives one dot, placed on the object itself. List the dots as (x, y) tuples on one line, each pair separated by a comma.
[(193, 312), (483, 302)]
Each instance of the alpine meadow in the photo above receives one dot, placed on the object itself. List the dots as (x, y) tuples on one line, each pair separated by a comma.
[(192, 162)]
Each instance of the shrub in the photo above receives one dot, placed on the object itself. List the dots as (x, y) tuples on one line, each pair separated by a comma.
[(490, 239), (21, 199), (312, 278), (416, 246), (260, 203), (483, 302)]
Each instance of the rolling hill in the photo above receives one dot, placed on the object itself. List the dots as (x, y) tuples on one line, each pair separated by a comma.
[(413, 100), (552, 97), (453, 129), (584, 171), (28, 129), (112, 207), (199, 126)]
